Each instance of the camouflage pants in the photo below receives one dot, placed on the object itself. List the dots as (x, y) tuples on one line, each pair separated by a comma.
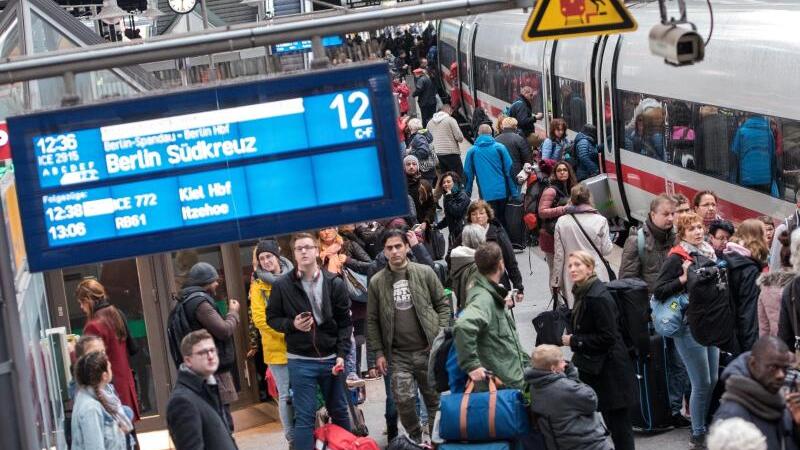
[(409, 371)]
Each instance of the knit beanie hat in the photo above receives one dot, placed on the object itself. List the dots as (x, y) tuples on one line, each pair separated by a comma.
[(268, 245), (202, 274), (411, 158)]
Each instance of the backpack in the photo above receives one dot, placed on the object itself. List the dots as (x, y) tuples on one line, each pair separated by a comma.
[(179, 324), (711, 313), (507, 109), (531, 204), (632, 299), (549, 225), (334, 437), (479, 117), (437, 362)]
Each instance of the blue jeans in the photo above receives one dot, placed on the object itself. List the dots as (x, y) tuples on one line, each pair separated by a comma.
[(285, 410), (678, 384), (306, 375), (702, 364)]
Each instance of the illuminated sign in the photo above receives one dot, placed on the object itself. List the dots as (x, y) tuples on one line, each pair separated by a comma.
[(207, 166), (305, 46)]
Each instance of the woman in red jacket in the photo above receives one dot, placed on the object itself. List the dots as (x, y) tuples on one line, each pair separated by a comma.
[(108, 323)]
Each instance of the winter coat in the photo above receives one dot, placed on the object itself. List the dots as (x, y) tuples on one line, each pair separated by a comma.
[(446, 134), (462, 273), (402, 92), (777, 431), (578, 427), (790, 313), (512, 277), (195, 416), (485, 335), (430, 304), (456, 204), (117, 352), (754, 146), (552, 205), (569, 238), (586, 152), (490, 163), (554, 149), (743, 273), (597, 333), (518, 148), (769, 300), (657, 244), (788, 224), (93, 428), (273, 345), (424, 211), (425, 91), (668, 283), (522, 111), (331, 336)]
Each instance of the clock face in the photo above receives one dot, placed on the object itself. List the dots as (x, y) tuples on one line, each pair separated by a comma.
[(182, 6)]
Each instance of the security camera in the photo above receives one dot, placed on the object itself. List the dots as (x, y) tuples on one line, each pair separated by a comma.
[(678, 46)]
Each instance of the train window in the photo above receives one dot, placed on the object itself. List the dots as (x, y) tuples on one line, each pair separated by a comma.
[(571, 105), (644, 129), (504, 81), (462, 67), (607, 116), (447, 56)]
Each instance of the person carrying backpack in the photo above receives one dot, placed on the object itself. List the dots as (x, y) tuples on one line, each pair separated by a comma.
[(522, 110), (754, 147), (199, 309), (584, 152)]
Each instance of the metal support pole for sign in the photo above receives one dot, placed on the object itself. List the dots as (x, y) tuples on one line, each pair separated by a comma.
[(71, 96), (212, 70), (320, 60), (238, 38)]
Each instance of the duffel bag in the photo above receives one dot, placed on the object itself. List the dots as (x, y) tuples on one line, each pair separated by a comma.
[(483, 416), (334, 437)]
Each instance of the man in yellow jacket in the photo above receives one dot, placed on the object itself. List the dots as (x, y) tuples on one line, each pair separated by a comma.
[(268, 266)]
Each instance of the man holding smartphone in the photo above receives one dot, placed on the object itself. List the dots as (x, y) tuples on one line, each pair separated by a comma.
[(312, 308)]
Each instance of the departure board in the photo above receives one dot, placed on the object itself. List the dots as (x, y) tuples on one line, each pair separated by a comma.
[(207, 166)]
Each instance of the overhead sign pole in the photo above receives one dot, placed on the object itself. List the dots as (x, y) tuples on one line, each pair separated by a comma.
[(559, 19)]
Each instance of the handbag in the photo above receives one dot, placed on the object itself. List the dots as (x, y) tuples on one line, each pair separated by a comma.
[(356, 285), (483, 416), (550, 325), (668, 315), (611, 274)]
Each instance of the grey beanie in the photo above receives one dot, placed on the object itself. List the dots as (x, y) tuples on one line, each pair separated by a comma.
[(410, 158), (270, 246), (202, 274)]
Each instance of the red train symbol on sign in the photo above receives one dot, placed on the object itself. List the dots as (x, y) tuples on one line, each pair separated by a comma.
[(572, 9)]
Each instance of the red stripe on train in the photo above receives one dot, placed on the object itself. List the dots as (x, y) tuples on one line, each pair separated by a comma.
[(655, 185)]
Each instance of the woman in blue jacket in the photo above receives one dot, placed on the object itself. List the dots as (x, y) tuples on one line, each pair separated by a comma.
[(553, 147)]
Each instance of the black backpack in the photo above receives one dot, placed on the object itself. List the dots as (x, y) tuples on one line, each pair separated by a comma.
[(179, 323), (711, 313), (633, 306), (441, 380)]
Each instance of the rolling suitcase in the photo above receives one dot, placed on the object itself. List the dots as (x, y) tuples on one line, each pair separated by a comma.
[(652, 412)]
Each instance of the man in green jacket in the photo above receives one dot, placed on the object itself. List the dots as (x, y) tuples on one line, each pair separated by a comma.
[(406, 307), (486, 336)]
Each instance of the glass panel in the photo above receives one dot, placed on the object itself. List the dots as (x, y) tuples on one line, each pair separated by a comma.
[(11, 95), (571, 103), (607, 115), (183, 260), (121, 280)]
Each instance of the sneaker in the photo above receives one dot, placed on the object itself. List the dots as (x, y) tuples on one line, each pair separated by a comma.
[(678, 421), (697, 442)]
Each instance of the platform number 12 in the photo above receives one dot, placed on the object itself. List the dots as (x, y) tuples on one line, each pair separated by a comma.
[(358, 120)]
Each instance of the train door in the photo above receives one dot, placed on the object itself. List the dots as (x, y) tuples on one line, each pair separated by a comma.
[(447, 54), (571, 82), (466, 69), (548, 53)]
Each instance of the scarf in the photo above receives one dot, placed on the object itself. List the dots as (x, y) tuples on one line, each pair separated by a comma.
[(331, 260), (660, 235), (704, 249), (269, 277), (733, 247), (579, 291), (753, 397), (108, 397)]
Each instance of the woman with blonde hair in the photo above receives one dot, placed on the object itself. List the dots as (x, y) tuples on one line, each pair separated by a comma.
[(746, 254), (107, 322), (599, 352)]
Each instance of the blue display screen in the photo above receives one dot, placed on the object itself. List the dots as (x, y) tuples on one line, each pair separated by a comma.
[(304, 46), (214, 165)]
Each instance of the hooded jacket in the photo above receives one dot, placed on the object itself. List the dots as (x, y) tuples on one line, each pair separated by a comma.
[(490, 163), (586, 152), (754, 146), (273, 344), (420, 145), (485, 335), (446, 134), (743, 273), (771, 286), (777, 432), (578, 427), (657, 244), (195, 417), (462, 273)]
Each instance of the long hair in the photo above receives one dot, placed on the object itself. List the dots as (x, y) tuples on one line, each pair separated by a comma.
[(89, 372), (556, 124), (750, 235), (571, 181), (92, 292)]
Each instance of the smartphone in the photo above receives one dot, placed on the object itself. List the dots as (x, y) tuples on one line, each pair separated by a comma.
[(416, 227), (513, 294), (305, 314)]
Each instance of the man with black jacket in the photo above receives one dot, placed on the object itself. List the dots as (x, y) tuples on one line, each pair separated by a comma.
[(311, 308), (522, 110), (426, 94), (195, 415)]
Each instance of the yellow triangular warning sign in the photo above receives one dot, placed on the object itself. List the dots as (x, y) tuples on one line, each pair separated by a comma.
[(558, 19)]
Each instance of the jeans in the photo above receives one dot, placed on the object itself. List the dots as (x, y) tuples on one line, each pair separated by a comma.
[(285, 410), (306, 375), (702, 364), (678, 384), (350, 364)]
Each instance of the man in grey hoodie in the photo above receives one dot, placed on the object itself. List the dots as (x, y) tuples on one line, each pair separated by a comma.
[(446, 139), (554, 384)]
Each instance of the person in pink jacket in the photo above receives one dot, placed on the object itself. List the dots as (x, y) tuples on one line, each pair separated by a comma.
[(772, 284)]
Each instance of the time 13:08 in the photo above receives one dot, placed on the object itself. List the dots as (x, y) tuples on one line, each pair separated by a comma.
[(70, 230), (57, 143)]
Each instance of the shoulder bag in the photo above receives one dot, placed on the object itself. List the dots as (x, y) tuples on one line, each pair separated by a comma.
[(611, 274)]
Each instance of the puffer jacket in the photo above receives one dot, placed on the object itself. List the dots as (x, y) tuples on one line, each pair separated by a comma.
[(743, 272), (657, 244), (490, 163), (579, 427), (430, 304), (446, 134), (754, 146), (769, 300), (273, 343), (485, 335), (462, 273), (586, 152), (554, 149)]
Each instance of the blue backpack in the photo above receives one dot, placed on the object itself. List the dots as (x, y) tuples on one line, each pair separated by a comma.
[(507, 109)]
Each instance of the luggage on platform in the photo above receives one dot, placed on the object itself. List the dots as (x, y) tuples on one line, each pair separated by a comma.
[(652, 412), (334, 437)]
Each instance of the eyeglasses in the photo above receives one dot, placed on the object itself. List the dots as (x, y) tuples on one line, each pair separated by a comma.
[(305, 248), (207, 352)]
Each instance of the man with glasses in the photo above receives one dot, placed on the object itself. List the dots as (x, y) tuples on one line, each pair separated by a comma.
[(311, 308), (195, 413)]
